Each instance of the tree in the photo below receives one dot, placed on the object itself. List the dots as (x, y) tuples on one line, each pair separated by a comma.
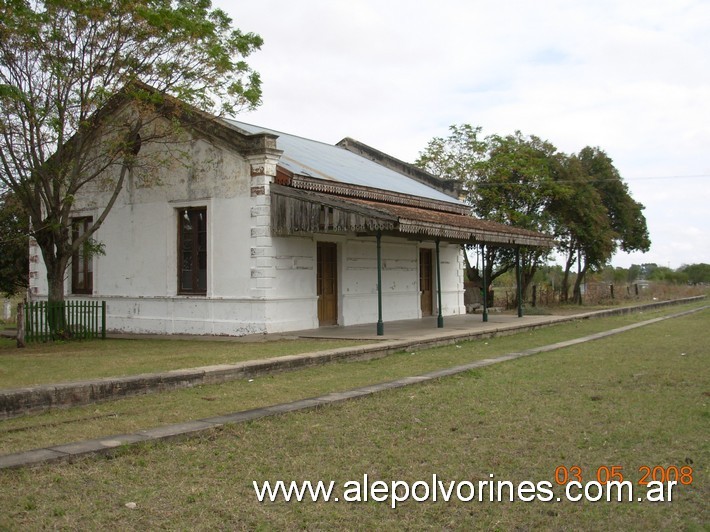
[(515, 186), (508, 180), (634, 272), (581, 224), (697, 273), (596, 215), (625, 214), (667, 275), (14, 260), (459, 157), (68, 69), (626, 225), (524, 182)]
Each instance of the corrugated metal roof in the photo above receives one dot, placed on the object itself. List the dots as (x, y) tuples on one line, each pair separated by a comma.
[(325, 161)]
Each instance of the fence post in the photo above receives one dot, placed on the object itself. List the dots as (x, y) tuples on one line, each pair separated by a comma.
[(82, 309), (20, 325), (103, 320)]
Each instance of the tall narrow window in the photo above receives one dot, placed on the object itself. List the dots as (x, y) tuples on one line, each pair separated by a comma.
[(192, 252), (82, 274)]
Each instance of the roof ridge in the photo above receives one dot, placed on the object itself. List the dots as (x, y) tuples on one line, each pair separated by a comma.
[(236, 123)]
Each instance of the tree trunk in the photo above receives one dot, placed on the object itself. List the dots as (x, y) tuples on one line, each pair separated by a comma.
[(55, 282), (564, 288), (472, 273), (577, 294), (530, 261), (491, 275), (56, 318), (527, 277), (20, 325)]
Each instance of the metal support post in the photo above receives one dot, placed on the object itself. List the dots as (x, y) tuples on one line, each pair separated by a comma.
[(485, 283), (380, 324), (519, 281), (440, 318)]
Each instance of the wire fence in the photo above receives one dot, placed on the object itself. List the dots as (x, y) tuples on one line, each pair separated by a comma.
[(594, 293)]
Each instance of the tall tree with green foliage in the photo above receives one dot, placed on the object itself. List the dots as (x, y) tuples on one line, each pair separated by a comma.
[(625, 214), (64, 61), (459, 157), (515, 186), (525, 182), (582, 225), (627, 229), (596, 216), (697, 273), (14, 245), (507, 179)]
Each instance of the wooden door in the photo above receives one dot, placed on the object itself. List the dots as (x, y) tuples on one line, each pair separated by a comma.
[(327, 283), (426, 281)]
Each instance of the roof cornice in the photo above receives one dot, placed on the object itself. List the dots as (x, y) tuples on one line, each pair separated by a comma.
[(345, 190)]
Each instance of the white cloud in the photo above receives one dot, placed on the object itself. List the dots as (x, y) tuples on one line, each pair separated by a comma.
[(632, 77)]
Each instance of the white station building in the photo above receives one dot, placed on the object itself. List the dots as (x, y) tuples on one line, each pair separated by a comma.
[(250, 230)]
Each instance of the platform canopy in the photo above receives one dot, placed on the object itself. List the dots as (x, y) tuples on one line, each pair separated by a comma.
[(310, 206), (350, 187)]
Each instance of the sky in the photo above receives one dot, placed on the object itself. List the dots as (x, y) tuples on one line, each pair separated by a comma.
[(629, 76)]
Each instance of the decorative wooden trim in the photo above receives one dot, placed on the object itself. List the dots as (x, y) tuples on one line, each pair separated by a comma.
[(300, 211), (283, 176), (375, 194), (451, 233), (295, 211)]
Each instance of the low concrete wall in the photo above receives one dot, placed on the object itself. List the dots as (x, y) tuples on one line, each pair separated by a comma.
[(20, 401)]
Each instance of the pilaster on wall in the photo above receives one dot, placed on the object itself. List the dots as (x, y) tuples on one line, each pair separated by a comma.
[(34, 273), (262, 267), (460, 278)]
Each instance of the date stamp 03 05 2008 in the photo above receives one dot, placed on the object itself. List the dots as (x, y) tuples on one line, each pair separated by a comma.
[(682, 475)]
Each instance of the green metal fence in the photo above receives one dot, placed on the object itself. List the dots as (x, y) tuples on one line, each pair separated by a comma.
[(81, 320)]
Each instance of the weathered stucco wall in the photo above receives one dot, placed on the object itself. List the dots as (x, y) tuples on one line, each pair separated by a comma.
[(138, 273), (400, 280), (292, 305), (256, 282)]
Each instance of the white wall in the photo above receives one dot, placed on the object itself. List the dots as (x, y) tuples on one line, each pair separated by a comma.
[(400, 280), (138, 273), (256, 282), (293, 303)]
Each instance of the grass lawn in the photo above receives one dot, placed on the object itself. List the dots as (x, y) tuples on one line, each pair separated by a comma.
[(46, 363), (636, 399), (70, 361), (140, 412)]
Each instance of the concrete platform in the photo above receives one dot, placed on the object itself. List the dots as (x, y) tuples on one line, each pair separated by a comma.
[(408, 329)]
